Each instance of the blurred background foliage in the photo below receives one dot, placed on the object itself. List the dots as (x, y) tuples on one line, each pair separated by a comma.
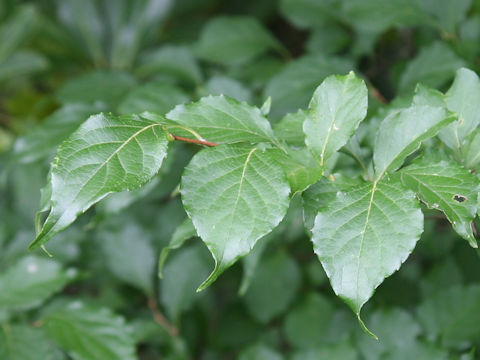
[(99, 297)]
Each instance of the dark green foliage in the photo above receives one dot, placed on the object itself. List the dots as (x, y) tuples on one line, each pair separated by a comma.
[(228, 179)]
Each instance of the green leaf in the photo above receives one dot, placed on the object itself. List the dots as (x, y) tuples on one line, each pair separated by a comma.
[(103, 86), (308, 322), (251, 262), (15, 30), (171, 60), (452, 314), (90, 333), (402, 132), (22, 63), (338, 351), (361, 237), (185, 231), (259, 351), (235, 195), (223, 120), (323, 192), (397, 330), (290, 128), (274, 287), (106, 154), (448, 14), (22, 342), (447, 187), (433, 66), (337, 107), (291, 88), (471, 150), (29, 282), (153, 96), (181, 276), (223, 85), (309, 13), (301, 169), (229, 40), (128, 252), (41, 141), (463, 98)]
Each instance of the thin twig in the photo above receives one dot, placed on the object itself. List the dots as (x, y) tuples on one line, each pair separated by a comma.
[(378, 95), (194, 141), (161, 319)]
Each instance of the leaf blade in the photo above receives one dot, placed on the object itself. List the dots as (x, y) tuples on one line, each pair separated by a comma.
[(131, 148), (224, 191)]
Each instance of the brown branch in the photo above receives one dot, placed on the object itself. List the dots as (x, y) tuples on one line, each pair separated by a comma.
[(194, 141), (161, 319), (378, 95)]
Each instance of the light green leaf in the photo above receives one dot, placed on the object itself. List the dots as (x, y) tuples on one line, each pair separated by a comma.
[(448, 187), (30, 281), (176, 61), (274, 286), (152, 96), (290, 128), (402, 132), (471, 150), (337, 107), (452, 315), (41, 141), (106, 154), (103, 86), (181, 275), (128, 252), (433, 66), (463, 98), (230, 40), (22, 342), (185, 231), (235, 195), (361, 237), (88, 333), (292, 87), (223, 120)]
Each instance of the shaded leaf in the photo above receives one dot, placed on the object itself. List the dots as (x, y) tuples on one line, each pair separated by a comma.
[(292, 87), (181, 275), (290, 128), (433, 66), (184, 231), (152, 96), (229, 40), (30, 281), (90, 333), (22, 342), (274, 287)]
